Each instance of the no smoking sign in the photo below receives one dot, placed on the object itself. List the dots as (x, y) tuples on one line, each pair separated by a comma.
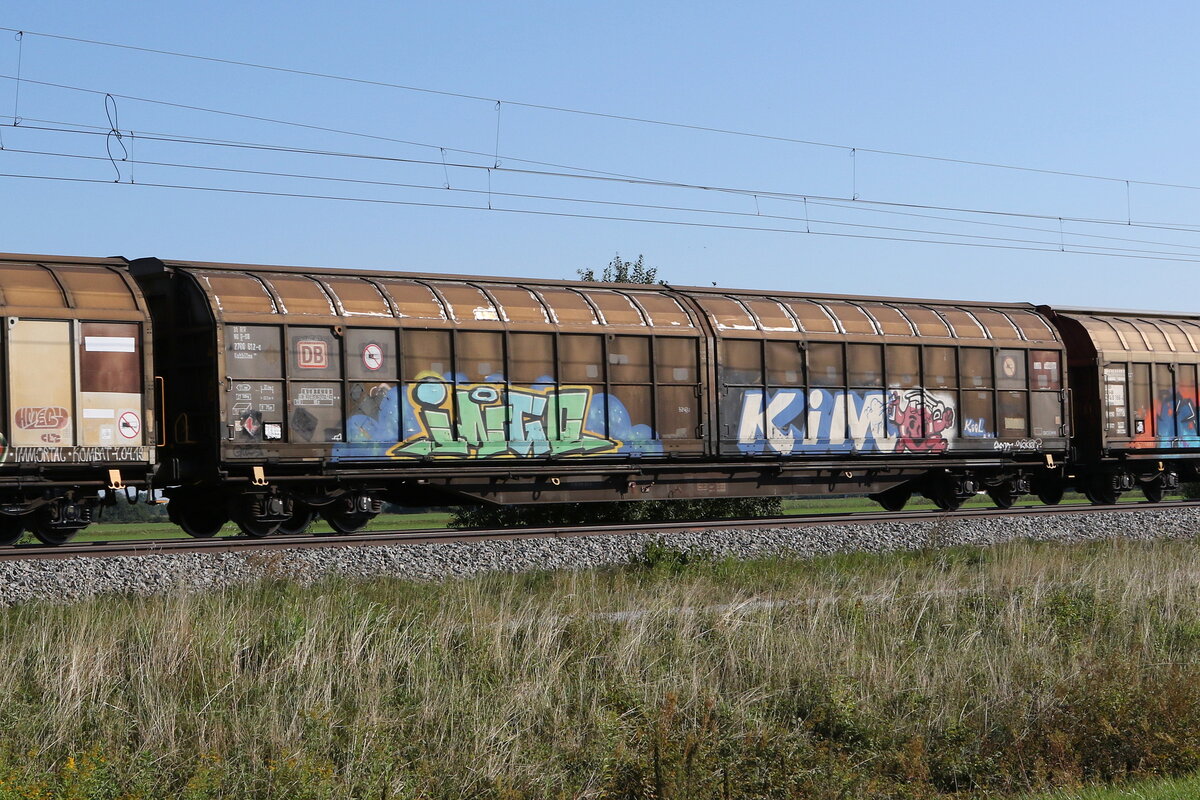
[(372, 356), (130, 425)]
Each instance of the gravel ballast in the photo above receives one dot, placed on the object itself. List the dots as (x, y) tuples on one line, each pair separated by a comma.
[(76, 578)]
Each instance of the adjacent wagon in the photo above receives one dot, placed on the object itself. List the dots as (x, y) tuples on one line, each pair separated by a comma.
[(292, 392), (1134, 380), (78, 398)]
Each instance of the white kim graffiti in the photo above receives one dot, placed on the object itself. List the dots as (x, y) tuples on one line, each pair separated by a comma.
[(792, 420)]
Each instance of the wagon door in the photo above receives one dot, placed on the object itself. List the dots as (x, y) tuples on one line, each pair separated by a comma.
[(41, 383)]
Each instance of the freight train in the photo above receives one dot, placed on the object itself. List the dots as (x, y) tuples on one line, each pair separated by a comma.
[(270, 395)]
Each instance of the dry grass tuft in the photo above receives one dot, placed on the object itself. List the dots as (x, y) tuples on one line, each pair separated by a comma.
[(899, 676)]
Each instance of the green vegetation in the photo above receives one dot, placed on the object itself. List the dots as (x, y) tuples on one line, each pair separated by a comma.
[(620, 271), (964, 672), (518, 516), (1168, 789), (129, 531)]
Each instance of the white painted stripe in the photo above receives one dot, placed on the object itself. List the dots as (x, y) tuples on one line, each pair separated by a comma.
[(98, 413), (108, 344)]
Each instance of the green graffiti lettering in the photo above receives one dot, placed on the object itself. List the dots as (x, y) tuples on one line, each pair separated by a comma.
[(492, 424)]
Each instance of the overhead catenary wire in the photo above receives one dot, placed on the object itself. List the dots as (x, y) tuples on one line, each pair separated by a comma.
[(874, 206), (544, 213), (496, 157), (884, 206), (649, 206), (607, 115), (600, 174)]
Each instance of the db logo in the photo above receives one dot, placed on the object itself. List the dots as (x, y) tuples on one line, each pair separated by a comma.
[(312, 354), (51, 438)]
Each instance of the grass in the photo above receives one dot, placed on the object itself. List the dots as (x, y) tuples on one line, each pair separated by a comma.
[(961, 673), (130, 531), (1167, 789)]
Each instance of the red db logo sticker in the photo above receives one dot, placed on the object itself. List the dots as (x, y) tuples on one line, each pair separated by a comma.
[(312, 354)]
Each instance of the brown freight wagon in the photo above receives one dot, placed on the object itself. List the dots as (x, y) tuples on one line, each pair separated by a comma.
[(1134, 380), (78, 398), (291, 392)]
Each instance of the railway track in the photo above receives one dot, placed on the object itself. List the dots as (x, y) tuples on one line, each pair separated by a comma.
[(147, 547)]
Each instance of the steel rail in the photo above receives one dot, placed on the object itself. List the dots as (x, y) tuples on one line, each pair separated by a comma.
[(227, 544)]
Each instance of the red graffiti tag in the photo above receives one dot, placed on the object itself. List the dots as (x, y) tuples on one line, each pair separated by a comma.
[(920, 418), (47, 417)]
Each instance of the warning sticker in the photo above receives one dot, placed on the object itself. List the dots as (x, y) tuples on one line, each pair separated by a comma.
[(372, 356), (130, 425)]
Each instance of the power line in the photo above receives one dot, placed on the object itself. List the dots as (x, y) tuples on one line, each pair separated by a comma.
[(294, 124), (885, 206), (495, 157), (605, 115), (1054, 248), (650, 206)]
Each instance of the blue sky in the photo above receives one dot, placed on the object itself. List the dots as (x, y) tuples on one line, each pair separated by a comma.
[(1099, 89)]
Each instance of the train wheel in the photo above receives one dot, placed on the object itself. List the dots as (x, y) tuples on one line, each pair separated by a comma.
[(346, 522), (1099, 490), (1003, 495), (1050, 493), (947, 501), (47, 532), (299, 522), (197, 519), (1153, 490), (11, 528), (257, 529), (893, 499), (946, 491)]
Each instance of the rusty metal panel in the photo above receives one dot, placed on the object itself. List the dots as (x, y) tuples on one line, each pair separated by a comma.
[(238, 293), (1155, 338), (356, 297), (300, 295), (927, 321), (1180, 334), (852, 318), (567, 306), (96, 288), (998, 326), (890, 320), (253, 351), (662, 311), (519, 305), (110, 357), (771, 315), (727, 314), (1104, 335), (1191, 330), (371, 354), (315, 412), (467, 303), (110, 385), (1033, 327), (813, 318), (1134, 337), (616, 308), (413, 300), (30, 285), (314, 354), (1156, 335), (43, 410), (963, 324)]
